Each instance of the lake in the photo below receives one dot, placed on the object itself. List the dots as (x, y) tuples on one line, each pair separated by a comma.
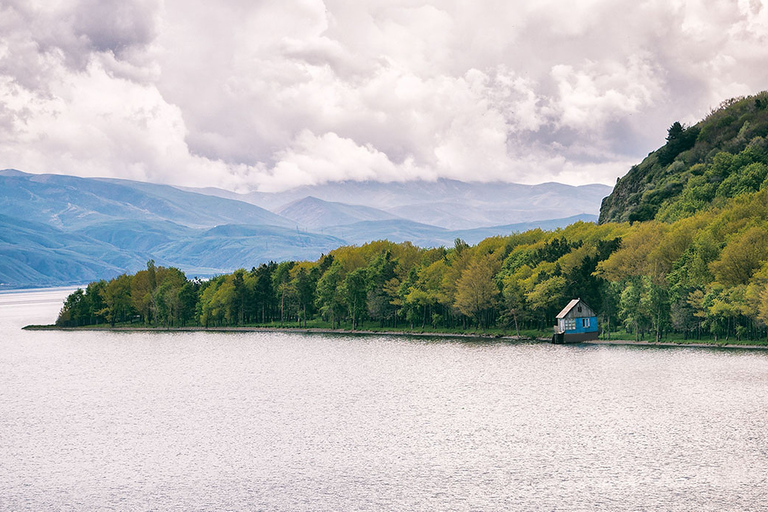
[(263, 421)]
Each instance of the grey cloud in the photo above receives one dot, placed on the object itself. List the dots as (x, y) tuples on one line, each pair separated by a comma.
[(116, 25), (274, 93)]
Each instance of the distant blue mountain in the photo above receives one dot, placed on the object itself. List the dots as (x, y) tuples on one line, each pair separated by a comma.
[(59, 230), (36, 255), (69, 202), (424, 235), (443, 203), (313, 213), (62, 230)]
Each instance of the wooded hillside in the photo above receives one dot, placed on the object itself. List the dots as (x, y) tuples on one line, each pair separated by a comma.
[(723, 156)]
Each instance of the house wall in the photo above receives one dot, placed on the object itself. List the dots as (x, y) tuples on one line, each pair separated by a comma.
[(578, 322), (577, 325), (585, 325)]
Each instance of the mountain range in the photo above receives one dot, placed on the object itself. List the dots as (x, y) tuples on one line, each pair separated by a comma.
[(59, 229), (444, 203)]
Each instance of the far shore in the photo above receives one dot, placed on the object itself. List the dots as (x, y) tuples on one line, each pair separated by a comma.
[(406, 333)]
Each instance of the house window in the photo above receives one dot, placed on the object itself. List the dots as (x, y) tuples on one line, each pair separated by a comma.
[(585, 322), (579, 308)]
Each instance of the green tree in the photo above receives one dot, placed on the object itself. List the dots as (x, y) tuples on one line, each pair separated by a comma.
[(630, 312), (118, 306), (264, 298), (284, 287), (743, 255), (330, 300), (188, 298), (654, 303), (166, 295), (304, 285), (477, 292), (679, 139), (75, 310), (354, 290)]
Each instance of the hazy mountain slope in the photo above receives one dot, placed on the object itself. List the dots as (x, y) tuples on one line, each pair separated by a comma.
[(398, 230), (313, 213), (138, 235), (452, 215), (473, 236), (228, 247), (71, 203), (448, 203), (722, 156), (79, 229), (424, 235), (33, 254)]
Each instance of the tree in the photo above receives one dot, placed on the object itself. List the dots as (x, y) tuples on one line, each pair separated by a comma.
[(547, 296), (188, 297), (477, 291), (743, 255), (329, 297), (514, 299), (679, 139), (654, 302), (641, 254), (355, 290), (284, 286), (304, 285), (264, 300), (118, 306), (697, 302), (169, 282), (761, 313), (74, 312), (94, 295), (143, 286), (629, 308), (209, 307)]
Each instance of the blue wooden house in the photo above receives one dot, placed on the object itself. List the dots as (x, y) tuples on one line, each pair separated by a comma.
[(575, 323)]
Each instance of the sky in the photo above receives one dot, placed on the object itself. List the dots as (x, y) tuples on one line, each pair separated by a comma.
[(271, 94)]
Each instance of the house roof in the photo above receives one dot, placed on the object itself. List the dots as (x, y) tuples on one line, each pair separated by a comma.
[(569, 307)]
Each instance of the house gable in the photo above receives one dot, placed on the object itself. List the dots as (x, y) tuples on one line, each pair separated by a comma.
[(577, 308)]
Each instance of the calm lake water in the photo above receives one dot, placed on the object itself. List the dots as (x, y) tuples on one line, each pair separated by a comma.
[(255, 421)]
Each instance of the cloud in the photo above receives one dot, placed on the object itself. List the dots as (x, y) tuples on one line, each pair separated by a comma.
[(274, 94), (314, 160)]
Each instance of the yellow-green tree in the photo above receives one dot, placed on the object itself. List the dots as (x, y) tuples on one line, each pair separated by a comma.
[(743, 255), (477, 292)]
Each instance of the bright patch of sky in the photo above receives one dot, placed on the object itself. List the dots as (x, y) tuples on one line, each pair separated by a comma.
[(273, 94)]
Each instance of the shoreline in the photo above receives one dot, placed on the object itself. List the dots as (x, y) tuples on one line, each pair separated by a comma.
[(366, 332)]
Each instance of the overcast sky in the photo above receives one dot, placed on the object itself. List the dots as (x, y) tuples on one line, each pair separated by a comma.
[(270, 94)]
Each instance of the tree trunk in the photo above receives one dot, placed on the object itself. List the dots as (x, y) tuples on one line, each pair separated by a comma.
[(517, 330)]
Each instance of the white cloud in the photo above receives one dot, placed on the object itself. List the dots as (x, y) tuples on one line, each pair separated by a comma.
[(274, 94), (598, 93), (315, 160)]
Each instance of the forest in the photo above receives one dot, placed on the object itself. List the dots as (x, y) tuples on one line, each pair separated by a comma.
[(681, 254)]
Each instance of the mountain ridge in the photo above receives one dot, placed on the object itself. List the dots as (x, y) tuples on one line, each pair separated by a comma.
[(435, 202), (313, 213)]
